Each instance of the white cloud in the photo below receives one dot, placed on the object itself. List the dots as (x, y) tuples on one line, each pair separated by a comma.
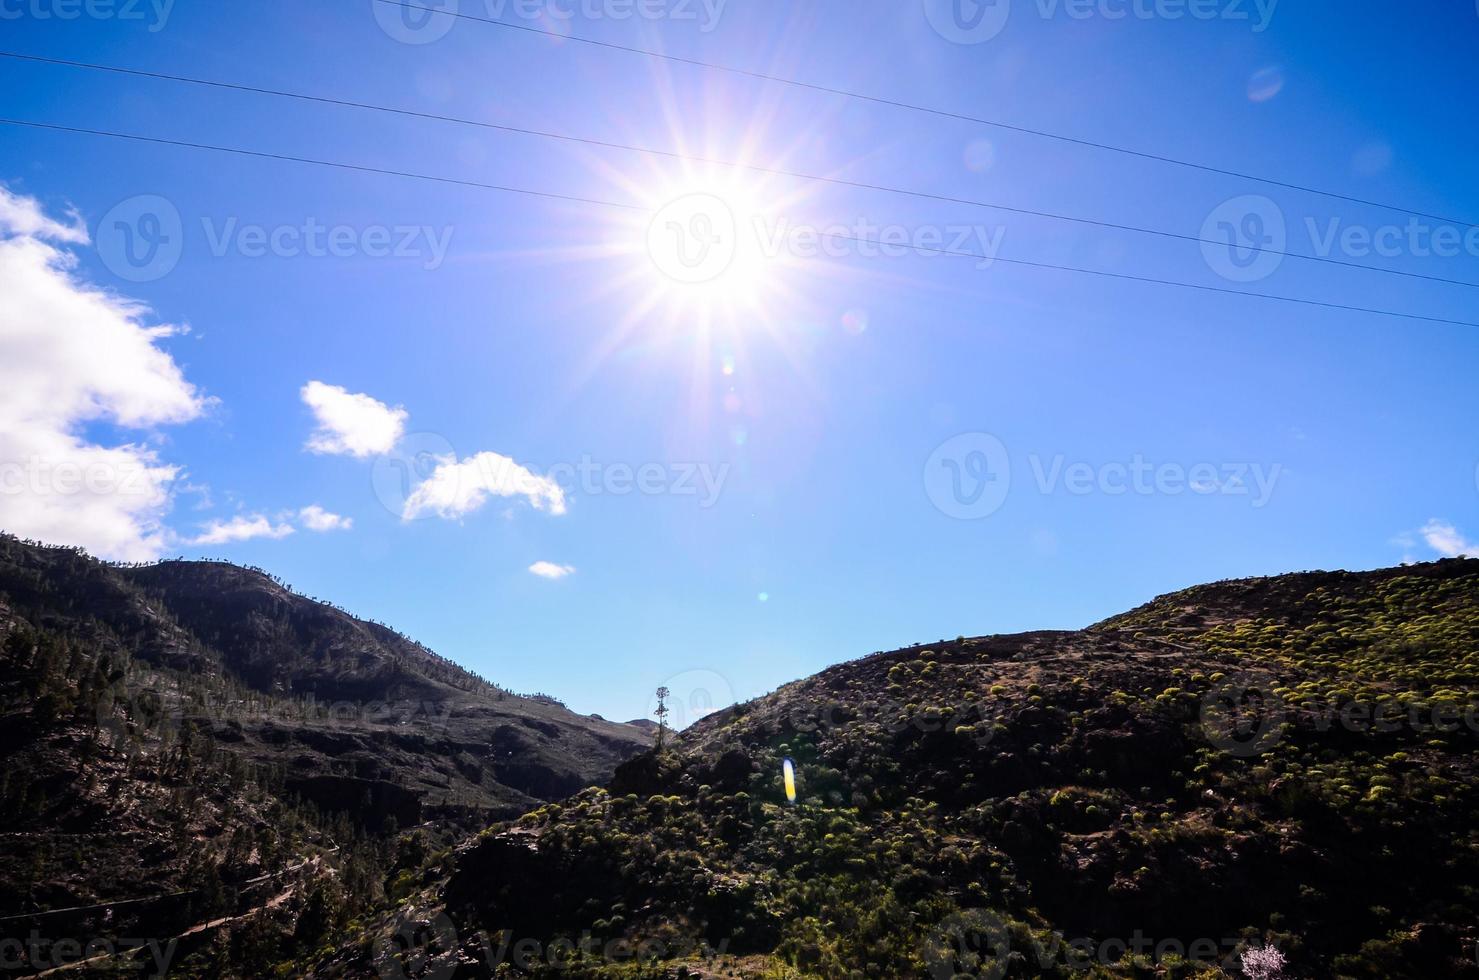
[(73, 354), (456, 489), (548, 569), (351, 424), (23, 216), (315, 518), (241, 529), (1448, 541)]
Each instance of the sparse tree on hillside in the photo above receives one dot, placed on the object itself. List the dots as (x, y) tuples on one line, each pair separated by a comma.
[(661, 714)]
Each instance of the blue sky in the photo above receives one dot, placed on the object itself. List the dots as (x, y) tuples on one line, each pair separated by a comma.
[(899, 447)]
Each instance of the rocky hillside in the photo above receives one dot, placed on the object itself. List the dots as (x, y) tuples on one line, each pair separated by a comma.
[(185, 729), (1255, 778)]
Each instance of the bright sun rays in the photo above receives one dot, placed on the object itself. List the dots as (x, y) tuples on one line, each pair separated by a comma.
[(706, 270), (704, 251), (709, 251)]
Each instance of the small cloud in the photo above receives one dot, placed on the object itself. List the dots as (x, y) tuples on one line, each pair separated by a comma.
[(351, 424), (548, 569), (241, 529), (315, 518), (1265, 84), (456, 489), (1448, 541)]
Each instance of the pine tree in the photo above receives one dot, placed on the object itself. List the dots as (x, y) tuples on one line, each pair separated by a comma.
[(661, 714)]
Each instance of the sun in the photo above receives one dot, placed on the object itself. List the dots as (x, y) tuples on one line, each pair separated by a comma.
[(711, 247), (704, 244), (704, 264)]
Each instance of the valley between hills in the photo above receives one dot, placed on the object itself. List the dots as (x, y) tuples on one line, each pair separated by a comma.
[(207, 774)]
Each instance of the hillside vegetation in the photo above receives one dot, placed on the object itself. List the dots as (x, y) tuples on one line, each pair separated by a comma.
[(1285, 763), (191, 741)]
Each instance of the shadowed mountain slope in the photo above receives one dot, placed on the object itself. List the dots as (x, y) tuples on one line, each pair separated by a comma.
[(184, 722)]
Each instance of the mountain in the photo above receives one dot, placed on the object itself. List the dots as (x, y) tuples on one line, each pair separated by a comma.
[(197, 728), (1261, 778)]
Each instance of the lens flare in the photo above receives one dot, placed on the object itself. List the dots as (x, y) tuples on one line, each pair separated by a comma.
[(788, 769)]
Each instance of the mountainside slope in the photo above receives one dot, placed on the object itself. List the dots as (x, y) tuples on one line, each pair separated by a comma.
[(1285, 762), (148, 709)]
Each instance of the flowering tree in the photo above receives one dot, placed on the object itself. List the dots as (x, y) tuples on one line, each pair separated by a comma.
[(1263, 964)]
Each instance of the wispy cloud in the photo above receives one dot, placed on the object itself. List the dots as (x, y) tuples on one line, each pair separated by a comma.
[(548, 569), (241, 528), (1447, 540), (315, 518), (23, 216)]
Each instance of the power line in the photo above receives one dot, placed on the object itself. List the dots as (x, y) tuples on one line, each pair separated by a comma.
[(930, 110), (324, 163), (960, 253), (756, 168)]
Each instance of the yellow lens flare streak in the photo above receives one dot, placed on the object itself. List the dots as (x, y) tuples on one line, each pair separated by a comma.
[(788, 769)]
